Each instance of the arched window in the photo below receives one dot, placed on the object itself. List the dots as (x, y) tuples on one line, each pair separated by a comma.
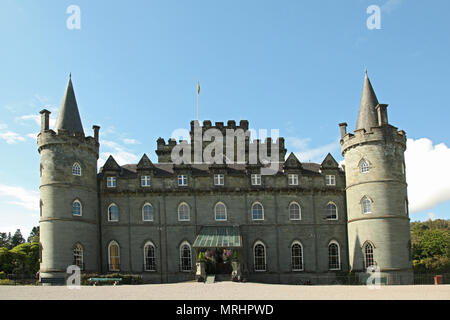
[(76, 169), (257, 211), (334, 259), (366, 205), (297, 256), (41, 205), (77, 209), (185, 257), (147, 212), (114, 256), (368, 255), (220, 211), (295, 212), (364, 166), (113, 212), (149, 257), (259, 251), (183, 212), (331, 211), (78, 256)]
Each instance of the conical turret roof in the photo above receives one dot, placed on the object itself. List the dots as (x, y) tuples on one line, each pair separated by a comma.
[(367, 117), (69, 116)]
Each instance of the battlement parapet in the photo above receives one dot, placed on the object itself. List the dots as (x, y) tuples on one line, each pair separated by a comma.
[(50, 137), (386, 133)]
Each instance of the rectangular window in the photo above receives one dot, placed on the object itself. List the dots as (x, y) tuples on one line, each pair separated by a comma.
[(182, 180), (330, 180), (256, 179), (219, 179), (111, 182), (145, 181), (293, 179)]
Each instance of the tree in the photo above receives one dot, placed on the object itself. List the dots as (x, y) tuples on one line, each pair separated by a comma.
[(34, 235), (430, 241), (17, 238)]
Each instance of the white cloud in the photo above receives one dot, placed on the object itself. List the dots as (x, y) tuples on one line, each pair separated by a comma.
[(32, 136), (427, 174), (130, 141), (120, 154), (304, 153), (11, 137), (20, 197), (431, 216), (391, 5), (36, 118)]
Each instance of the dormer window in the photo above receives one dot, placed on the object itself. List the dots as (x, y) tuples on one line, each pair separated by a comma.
[(111, 182), (219, 179), (293, 179), (182, 180), (76, 169), (330, 180), (256, 179), (146, 181)]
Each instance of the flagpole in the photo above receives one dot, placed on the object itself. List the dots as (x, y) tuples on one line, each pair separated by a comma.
[(198, 97)]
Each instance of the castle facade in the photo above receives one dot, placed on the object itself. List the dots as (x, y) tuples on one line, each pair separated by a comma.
[(171, 222)]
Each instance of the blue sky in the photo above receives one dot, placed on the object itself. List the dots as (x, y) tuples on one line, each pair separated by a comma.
[(297, 66)]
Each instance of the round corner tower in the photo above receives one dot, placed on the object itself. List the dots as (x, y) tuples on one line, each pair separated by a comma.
[(69, 195), (376, 189)]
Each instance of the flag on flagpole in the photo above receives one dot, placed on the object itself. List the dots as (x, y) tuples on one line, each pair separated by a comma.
[(198, 87)]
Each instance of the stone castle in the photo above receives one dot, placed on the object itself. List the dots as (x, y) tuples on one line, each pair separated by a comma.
[(306, 223)]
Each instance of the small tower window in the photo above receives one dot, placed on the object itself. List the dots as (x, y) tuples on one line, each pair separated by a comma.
[(406, 208), (77, 209), (367, 205), (78, 256), (147, 212), (76, 169), (368, 255), (364, 166)]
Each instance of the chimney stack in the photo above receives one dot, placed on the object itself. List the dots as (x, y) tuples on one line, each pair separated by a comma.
[(45, 119)]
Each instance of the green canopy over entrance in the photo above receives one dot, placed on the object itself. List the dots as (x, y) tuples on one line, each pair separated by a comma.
[(218, 237)]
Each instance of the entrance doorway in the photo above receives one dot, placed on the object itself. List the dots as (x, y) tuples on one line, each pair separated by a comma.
[(218, 261)]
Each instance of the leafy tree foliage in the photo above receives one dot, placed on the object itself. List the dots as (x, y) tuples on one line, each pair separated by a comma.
[(430, 242), (17, 238)]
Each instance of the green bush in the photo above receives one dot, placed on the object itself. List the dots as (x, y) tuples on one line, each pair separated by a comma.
[(2, 275), (6, 282)]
